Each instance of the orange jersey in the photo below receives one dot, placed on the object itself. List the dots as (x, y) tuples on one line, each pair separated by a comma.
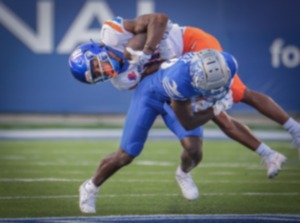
[(195, 39)]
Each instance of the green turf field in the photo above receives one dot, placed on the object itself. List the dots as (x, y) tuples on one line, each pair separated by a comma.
[(41, 178)]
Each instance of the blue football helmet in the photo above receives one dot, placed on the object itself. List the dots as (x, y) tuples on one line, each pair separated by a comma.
[(212, 73), (92, 62)]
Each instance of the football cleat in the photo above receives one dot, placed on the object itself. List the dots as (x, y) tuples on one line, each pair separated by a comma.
[(87, 197), (274, 163), (187, 185)]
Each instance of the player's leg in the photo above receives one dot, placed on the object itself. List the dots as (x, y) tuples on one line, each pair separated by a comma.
[(135, 131), (266, 106), (191, 140), (139, 120), (89, 190), (111, 164), (241, 133), (191, 155)]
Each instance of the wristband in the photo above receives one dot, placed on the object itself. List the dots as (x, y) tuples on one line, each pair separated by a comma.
[(148, 47)]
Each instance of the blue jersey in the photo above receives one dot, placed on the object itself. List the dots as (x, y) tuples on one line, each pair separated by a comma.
[(151, 98), (176, 79)]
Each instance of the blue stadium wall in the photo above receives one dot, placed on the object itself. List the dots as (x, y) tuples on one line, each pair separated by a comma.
[(38, 35)]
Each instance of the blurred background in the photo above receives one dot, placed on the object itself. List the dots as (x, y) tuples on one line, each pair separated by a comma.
[(37, 37)]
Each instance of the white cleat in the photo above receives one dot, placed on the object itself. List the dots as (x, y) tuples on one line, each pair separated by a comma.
[(187, 185), (274, 163), (87, 197)]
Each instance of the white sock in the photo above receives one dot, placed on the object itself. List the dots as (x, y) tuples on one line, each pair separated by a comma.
[(180, 171), (264, 151), (90, 186), (291, 125)]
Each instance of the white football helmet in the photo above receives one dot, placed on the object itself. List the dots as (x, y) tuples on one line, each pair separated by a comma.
[(212, 73)]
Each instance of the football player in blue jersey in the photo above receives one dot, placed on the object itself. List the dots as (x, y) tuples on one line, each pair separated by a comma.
[(205, 74)]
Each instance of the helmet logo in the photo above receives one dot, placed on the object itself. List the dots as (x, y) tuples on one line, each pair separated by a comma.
[(77, 53), (103, 56), (197, 74), (132, 76), (89, 55)]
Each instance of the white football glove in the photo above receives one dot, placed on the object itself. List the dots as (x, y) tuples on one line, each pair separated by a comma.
[(201, 105), (138, 57), (223, 104)]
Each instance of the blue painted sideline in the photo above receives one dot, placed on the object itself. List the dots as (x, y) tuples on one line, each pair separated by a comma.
[(189, 218)]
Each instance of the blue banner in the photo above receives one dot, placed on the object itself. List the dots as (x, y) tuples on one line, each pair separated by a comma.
[(37, 37)]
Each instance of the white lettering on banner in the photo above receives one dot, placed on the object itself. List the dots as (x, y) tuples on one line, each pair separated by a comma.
[(41, 41), (79, 31), (145, 7), (289, 55)]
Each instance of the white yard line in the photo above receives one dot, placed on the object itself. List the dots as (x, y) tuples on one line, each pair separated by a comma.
[(109, 134), (152, 195), (132, 173), (138, 180)]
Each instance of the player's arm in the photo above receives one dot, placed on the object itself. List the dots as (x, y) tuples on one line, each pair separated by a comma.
[(189, 119), (152, 24), (151, 68), (136, 43)]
